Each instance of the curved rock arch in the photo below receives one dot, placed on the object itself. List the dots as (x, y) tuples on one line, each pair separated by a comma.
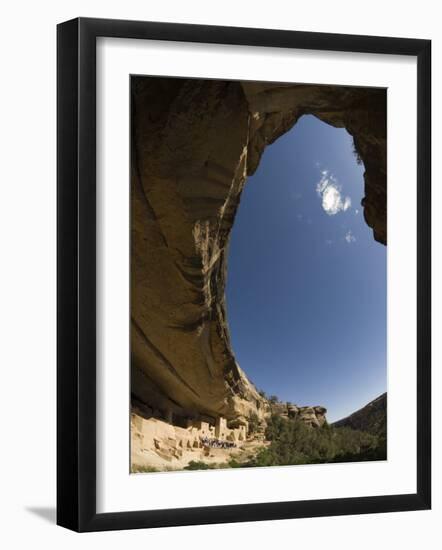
[(194, 142)]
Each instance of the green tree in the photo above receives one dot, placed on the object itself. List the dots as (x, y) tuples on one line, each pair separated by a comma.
[(292, 442), (253, 422), (199, 465)]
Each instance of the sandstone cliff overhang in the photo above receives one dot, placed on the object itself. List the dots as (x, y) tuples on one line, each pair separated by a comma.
[(193, 144)]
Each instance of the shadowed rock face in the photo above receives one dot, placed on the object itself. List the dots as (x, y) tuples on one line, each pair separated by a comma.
[(194, 142), (371, 418)]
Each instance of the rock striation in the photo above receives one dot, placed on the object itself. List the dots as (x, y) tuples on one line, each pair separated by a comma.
[(193, 144)]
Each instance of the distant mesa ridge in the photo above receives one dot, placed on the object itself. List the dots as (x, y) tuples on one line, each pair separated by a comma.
[(371, 418)]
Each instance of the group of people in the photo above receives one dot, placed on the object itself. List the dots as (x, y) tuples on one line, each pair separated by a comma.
[(217, 443)]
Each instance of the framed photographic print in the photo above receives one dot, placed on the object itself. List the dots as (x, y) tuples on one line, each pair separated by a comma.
[(243, 274)]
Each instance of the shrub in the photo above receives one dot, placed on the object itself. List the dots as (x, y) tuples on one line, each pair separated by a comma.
[(356, 154), (199, 465), (234, 463), (253, 422), (292, 442), (143, 469)]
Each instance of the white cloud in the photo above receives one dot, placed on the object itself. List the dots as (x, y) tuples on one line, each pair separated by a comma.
[(349, 237), (347, 203), (330, 192)]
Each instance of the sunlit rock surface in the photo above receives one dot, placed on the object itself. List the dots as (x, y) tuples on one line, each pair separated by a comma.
[(314, 417)]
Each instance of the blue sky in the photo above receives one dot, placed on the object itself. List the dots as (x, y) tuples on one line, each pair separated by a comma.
[(306, 283)]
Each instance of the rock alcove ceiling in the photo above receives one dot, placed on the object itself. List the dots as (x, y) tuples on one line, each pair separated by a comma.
[(194, 142)]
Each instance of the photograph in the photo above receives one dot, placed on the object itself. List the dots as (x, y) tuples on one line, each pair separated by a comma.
[(220, 315), (258, 274)]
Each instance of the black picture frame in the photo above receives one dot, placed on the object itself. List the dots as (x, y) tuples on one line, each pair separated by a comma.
[(76, 274)]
